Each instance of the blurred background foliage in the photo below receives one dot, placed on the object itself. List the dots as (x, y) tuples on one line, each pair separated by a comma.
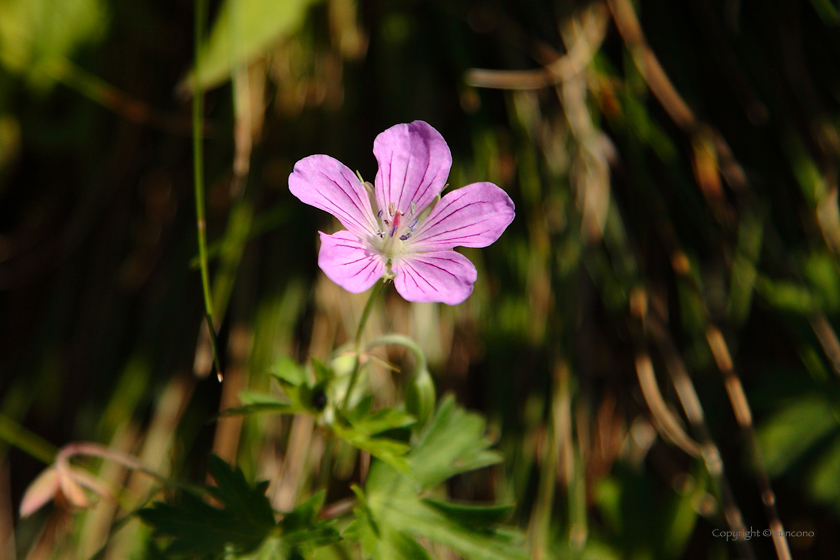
[(652, 340)]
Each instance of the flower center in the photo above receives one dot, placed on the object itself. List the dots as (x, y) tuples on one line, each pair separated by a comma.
[(395, 228)]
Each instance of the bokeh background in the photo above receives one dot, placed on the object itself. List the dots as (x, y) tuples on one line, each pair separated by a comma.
[(652, 340)]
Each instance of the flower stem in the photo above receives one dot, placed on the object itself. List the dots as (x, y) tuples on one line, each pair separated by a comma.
[(198, 172), (420, 394), (91, 449), (374, 293), (405, 342)]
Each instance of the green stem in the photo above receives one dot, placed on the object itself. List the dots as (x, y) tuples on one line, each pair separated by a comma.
[(29, 442), (405, 342), (420, 394), (374, 293), (198, 171)]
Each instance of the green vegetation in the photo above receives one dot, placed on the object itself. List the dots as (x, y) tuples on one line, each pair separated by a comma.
[(649, 359)]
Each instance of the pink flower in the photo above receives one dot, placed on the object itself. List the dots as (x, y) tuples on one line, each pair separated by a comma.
[(401, 229)]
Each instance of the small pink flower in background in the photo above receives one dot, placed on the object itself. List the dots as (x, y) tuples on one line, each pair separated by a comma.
[(394, 230), (65, 479), (68, 481)]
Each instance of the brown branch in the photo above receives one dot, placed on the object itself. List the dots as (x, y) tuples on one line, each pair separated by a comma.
[(559, 68)]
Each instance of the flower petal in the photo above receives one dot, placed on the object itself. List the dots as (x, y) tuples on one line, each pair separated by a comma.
[(472, 216), (350, 263), (414, 163), (41, 491), (328, 184), (444, 276), (72, 490)]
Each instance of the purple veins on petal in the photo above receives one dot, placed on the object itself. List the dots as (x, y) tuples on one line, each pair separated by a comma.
[(328, 184), (414, 162), (444, 276), (472, 216), (348, 262)]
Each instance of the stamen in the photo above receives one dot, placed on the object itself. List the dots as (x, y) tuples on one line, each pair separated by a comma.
[(412, 208), (393, 231), (413, 224), (379, 214), (391, 208), (405, 236)]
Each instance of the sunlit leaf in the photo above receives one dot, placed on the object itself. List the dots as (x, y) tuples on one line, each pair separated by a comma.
[(452, 443), (382, 420), (392, 515), (390, 451), (36, 36), (288, 371), (258, 403), (397, 512), (243, 30)]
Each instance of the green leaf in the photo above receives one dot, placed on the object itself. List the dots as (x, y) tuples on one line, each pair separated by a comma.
[(388, 450), (257, 403), (272, 548), (397, 509), (243, 30), (244, 525), (364, 529), (303, 515), (381, 542), (479, 517), (197, 527), (820, 268), (301, 528), (395, 545), (288, 372), (743, 275), (301, 396), (824, 484), (794, 430), (787, 296), (361, 427), (382, 420), (323, 372), (391, 514), (36, 36), (234, 491), (453, 442)]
